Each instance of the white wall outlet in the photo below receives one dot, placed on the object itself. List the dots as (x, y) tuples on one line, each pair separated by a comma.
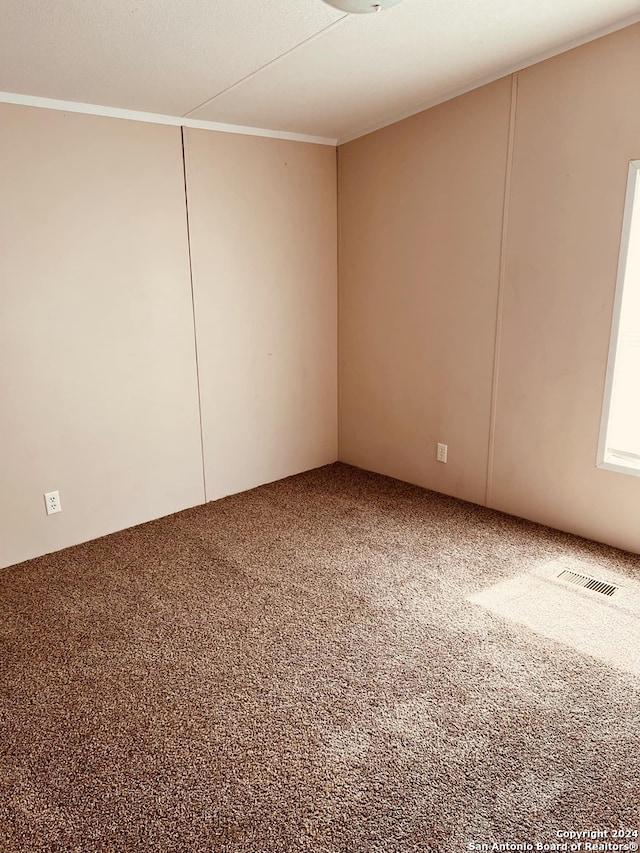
[(441, 453), (52, 502)]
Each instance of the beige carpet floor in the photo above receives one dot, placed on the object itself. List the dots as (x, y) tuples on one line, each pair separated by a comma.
[(300, 668)]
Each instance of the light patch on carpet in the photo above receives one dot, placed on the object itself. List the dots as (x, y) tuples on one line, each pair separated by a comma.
[(606, 628), (351, 745), (528, 792)]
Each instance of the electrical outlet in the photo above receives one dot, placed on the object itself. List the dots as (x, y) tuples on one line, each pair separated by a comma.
[(441, 453), (52, 502)]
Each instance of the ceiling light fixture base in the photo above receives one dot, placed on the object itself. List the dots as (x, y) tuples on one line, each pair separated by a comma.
[(361, 7)]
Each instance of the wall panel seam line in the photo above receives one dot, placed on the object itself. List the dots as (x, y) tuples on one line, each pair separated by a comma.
[(193, 313), (338, 312), (501, 286)]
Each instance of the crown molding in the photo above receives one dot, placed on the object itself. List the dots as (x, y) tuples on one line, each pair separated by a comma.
[(157, 118)]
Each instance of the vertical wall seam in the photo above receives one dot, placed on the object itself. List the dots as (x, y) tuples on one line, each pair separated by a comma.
[(193, 312), (501, 285), (338, 312)]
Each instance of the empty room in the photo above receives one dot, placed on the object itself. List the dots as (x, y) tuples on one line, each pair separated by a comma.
[(319, 426)]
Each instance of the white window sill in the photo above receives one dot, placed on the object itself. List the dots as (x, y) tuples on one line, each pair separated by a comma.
[(621, 464)]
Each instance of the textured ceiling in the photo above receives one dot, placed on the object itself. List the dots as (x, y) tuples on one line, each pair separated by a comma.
[(286, 65)]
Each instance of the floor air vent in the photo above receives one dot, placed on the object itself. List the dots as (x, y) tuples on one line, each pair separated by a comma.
[(587, 582)]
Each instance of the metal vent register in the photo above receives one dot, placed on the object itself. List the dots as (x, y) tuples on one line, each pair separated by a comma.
[(588, 583)]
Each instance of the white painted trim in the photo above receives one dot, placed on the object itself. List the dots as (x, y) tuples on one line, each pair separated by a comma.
[(605, 460), (157, 118), (491, 78), (619, 467), (614, 463)]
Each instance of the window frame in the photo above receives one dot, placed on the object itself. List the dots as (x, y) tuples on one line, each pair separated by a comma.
[(605, 460)]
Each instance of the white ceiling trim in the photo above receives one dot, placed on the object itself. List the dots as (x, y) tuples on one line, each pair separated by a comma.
[(157, 118), (503, 72)]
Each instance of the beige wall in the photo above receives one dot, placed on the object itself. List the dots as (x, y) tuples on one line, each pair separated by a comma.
[(262, 218), (97, 363), (421, 222), (577, 127), (98, 375), (420, 228)]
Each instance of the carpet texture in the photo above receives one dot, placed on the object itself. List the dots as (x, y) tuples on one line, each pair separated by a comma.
[(297, 668)]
